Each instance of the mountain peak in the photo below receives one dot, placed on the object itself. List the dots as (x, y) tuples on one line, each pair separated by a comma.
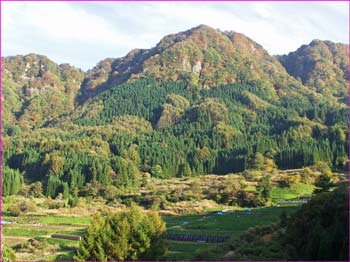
[(322, 65), (205, 57), (202, 27), (201, 56), (200, 31)]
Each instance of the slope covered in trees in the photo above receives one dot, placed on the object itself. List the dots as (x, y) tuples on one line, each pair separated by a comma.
[(167, 130), (202, 101), (202, 56), (36, 91), (321, 65)]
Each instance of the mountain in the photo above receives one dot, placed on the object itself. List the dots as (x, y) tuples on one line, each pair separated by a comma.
[(157, 127), (201, 101), (202, 56), (322, 66), (37, 90)]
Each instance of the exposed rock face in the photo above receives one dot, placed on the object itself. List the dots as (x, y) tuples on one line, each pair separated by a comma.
[(186, 66), (197, 67)]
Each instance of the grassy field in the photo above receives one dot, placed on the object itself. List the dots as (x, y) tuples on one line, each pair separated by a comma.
[(228, 224), (292, 192), (185, 250), (76, 221)]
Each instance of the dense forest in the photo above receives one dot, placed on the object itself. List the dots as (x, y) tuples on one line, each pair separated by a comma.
[(71, 133), (170, 130)]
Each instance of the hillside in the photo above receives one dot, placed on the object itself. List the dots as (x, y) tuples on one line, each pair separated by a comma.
[(202, 56), (36, 90), (322, 66), (200, 102)]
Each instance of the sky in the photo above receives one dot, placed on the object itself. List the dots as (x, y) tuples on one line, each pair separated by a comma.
[(83, 33)]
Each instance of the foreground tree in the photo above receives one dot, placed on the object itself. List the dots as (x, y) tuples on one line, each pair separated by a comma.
[(319, 230), (131, 235)]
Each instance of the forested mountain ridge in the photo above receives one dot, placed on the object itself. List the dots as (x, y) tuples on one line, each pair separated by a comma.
[(36, 90), (202, 56), (321, 65), (202, 101)]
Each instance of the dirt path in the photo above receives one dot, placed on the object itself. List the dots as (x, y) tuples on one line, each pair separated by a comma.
[(42, 226), (16, 238)]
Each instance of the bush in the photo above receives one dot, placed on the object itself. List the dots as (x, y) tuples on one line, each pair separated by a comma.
[(36, 189), (73, 201), (53, 204), (24, 207), (129, 235), (319, 230)]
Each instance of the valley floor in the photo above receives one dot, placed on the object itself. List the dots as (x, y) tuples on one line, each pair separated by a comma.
[(29, 233), (31, 238)]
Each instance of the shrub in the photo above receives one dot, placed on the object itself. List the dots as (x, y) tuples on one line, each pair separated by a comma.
[(20, 208), (53, 204), (73, 201), (129, 235)]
